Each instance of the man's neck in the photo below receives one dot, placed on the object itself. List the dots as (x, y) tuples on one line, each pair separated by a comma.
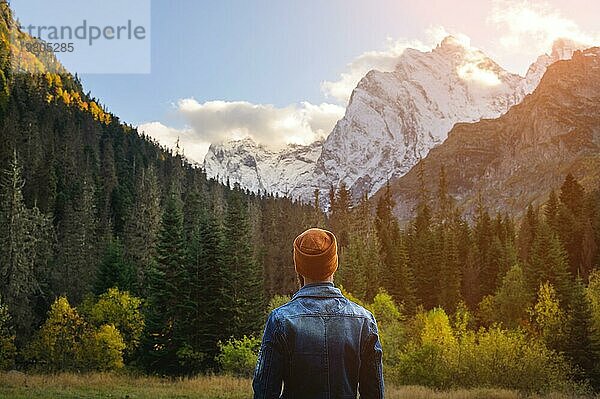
[(310, 281)]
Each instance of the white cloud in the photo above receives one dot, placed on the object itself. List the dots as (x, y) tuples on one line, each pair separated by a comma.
[(216, 121), (532, 27), (297, 123), (384, 60), (192, 145)]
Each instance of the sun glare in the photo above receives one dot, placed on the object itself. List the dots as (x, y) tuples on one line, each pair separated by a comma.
[(535, 26), (474, 69)]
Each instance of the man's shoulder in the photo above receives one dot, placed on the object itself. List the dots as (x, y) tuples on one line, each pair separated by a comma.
[(295, 308), (360, 310), (284, 310)]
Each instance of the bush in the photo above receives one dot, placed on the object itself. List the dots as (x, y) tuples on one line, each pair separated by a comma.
[(58, 345), (66, 342), (437, 356), (238, 356), (103, 349), (119, 309), (511, 359), (7, 340), (425, 359), (385, 310)]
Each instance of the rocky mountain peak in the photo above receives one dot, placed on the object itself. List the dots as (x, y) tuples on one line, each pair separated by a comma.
[(514, 160), (393, 120), (563, 48), (451, 43)]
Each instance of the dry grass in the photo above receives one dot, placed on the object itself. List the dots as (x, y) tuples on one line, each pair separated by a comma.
[(100, 385), (417, 392)]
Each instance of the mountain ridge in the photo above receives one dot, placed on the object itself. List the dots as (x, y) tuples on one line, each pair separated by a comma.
[(392, 120), (518, 158)]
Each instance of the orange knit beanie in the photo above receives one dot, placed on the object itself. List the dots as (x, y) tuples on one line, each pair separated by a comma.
[(315, 254)]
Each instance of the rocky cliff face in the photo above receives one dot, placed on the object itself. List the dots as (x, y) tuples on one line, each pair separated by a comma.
[(393, 120), (519, 157)]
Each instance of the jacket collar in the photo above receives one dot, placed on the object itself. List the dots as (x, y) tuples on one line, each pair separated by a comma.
[(319, 290)]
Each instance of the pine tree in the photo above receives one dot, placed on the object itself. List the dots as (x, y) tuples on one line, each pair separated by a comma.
[(548, 263), (114, 271), (572, 194), (205, 320), (352, 273), (359, 270), (575, 229), (24, 245), (422, 254), (75, 273), (107, 184), (448, 278), (395, 276), (445, 205), (503, 246), (244, 291), (582, 345), (331, 198), (485, 260), (318, 218), (527, 232), (163, 317), (445, 248), (141, 227), (551, 210), (340, 215)]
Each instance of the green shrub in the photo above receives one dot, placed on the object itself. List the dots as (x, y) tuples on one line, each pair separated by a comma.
[(190, 359), (511, 359), (238, 356), (385, 310)]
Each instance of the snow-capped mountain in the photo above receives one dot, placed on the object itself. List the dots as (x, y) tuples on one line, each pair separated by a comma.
[(518, 158), (258, 168), (392, 120), (395, 118)]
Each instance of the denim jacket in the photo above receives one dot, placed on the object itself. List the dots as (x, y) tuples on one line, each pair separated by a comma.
[(319, 345)]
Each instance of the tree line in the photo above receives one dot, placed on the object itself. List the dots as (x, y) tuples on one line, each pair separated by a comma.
[(517, 274), (88, 204)]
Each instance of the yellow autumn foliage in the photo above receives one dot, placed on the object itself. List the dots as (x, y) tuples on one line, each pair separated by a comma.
[(67, 342)]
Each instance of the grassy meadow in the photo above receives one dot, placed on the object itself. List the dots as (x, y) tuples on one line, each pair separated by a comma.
[(105, 385)]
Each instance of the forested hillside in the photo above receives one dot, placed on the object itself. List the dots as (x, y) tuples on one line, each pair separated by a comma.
[(495, 301), (87, 204)]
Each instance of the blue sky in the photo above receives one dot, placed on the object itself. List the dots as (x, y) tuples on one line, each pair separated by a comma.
[(260, 51), (274, 55)]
